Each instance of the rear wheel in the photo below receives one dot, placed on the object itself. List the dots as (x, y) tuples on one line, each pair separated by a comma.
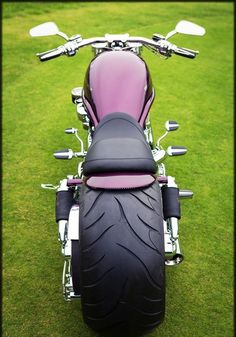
[(122, 265)]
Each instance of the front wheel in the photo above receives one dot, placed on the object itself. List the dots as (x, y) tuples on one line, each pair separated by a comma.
[(122, 264)]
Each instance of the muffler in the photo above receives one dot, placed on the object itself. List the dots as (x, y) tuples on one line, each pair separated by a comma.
[(176, 257)]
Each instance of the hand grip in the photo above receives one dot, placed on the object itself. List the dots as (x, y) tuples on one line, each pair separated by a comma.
[(191, 54), (51, 54)]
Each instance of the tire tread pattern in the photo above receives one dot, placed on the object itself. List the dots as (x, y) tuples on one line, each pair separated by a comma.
[(121, 264)]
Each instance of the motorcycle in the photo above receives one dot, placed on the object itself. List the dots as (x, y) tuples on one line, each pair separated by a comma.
[(118, 215)]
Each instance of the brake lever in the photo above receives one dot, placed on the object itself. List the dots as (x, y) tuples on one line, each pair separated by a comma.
[(191, 50)]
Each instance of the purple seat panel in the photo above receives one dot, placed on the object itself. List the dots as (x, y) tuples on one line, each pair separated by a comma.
[(120, 180)]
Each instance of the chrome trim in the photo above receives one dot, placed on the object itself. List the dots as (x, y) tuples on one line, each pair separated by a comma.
[(185, 194), (63, 185), (171, 182), (69, 154), (62, 231), (66, 248), (135, 47), (148, 132), (81, 143), (98, 48), (116, 37), (176, 151), (162, 46), (82, 114), (173, 225), (69, 232), (75, 37), (49, 186), (81, 111), (158, 154), (169, 249), (64, 154), (76, 94), (73, 223), (173, 32), (70, 131), (80, 154), (62, 224), (161, 170), (173, 254), (171, 125), (160, 138), (67, 284), (177, 258), (90, 138), (63, 35), (80, 169)]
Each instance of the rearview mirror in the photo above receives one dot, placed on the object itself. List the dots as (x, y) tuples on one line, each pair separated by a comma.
[(190, 28), (186, 27), (45, 29)]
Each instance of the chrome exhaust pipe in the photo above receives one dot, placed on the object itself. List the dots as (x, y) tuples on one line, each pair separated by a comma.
[(177, 258)]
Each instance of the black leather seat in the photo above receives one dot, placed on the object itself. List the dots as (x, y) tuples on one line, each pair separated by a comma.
[(119, 145)]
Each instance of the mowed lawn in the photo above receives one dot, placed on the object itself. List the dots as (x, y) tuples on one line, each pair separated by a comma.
[(37, 108)]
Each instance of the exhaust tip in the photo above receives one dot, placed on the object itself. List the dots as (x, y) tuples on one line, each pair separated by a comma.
[(176, 259)]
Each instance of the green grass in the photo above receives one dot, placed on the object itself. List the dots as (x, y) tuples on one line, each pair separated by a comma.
[(36, 110)]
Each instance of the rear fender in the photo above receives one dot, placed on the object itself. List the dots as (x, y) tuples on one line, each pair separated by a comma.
[(120, 180)]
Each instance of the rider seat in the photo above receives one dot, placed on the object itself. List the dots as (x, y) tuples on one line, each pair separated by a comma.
[(119, 145)]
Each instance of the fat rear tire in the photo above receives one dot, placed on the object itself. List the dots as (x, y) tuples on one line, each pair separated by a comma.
[(122, 265)]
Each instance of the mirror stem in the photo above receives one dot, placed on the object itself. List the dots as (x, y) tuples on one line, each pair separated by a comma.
[(173, 32), (63, 35), (159, 139)]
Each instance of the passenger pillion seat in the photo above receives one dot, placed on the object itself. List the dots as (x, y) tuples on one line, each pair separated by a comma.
[(119, 145)]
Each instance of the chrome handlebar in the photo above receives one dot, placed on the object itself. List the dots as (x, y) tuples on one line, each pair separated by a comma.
[(162, 46)]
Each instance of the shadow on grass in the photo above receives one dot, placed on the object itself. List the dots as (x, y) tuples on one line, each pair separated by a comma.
[(121, 330)]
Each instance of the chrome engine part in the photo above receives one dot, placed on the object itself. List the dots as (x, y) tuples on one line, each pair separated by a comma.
[(68, 231), (77, 94)]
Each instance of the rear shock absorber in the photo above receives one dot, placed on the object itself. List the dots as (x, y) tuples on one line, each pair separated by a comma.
[(171, 213), (64, 202)]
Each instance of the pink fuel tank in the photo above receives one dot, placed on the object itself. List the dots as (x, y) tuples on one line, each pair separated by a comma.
[(118, 81)]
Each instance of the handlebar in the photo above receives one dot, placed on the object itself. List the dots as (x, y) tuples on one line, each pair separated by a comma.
[(162, 46)]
